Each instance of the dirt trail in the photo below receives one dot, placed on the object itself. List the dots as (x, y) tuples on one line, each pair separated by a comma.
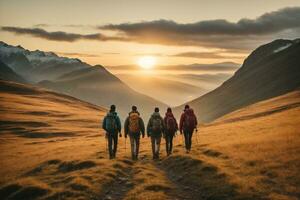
[(122, 183), (180, 191)]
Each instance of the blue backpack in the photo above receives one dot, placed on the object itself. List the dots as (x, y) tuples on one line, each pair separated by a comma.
[(111, 123)]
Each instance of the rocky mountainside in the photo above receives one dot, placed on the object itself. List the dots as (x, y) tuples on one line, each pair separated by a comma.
[(271, 70)]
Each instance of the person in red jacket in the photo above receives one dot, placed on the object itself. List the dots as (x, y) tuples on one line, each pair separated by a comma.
[(171, 127), (188, 123)]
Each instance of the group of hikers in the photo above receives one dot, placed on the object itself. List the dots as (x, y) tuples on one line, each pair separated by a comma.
[(157, 128)]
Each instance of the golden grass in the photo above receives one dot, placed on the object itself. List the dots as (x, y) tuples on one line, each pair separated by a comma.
[(252, 153)]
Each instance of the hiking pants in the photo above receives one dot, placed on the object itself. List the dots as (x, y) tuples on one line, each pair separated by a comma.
[(155, 141), (188, 134), (135, 145), (169, 141), (112, 144)]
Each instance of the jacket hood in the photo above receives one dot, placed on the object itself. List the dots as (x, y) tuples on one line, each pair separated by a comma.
[(156, 114), (112, 114), (169, 114), (189, 111)]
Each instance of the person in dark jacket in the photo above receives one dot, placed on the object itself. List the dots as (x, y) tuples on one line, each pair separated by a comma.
[(187, 125), (134, 127), (171, 127), (112, 125), (155, 130)]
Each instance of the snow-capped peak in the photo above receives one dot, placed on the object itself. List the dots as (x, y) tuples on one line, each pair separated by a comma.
[(283, 47), (35, 57), (6, 50)]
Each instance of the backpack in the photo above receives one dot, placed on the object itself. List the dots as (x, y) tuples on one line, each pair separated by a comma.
[(156, 124), (189, 121), (170, 123), (134, 126), (111, 123)]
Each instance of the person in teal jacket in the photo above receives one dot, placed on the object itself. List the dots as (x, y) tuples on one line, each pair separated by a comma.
[(112, 125)]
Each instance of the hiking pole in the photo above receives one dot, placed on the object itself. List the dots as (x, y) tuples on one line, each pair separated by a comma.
[(106, 145), (125, 145), (196, 135), (182, 140)]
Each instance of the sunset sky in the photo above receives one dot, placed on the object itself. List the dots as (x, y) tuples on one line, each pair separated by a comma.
[(119, 32)]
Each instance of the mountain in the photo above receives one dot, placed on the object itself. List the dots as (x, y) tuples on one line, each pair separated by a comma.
[(37, 65), (8, 74), (98, 86), (196, 68), (73, 77), (175, 84), (207, 80), (171, 92), (32, 112), (271, 70)]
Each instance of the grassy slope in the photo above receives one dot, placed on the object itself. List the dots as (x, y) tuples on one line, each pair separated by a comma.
[(51, 147)]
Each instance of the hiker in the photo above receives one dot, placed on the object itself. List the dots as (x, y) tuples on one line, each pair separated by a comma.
[(171, 127), (134, 126), (155, 129), (188, 122), (112, 125)]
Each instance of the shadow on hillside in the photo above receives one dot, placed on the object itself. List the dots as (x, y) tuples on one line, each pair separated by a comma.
[(203, 180), (31, 129), (55, 179)]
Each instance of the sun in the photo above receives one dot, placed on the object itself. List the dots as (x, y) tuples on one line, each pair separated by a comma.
[(147, 62)]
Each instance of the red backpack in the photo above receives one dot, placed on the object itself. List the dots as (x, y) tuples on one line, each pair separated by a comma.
[(170, 123), (189, 120)]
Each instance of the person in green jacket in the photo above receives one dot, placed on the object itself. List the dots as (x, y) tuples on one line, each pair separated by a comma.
[(112, 125), (155, 129)]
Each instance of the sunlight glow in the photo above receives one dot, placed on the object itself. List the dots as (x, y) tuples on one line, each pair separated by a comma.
[(147, 62)]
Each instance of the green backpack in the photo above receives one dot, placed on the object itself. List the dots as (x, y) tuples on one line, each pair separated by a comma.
[(156, 124), (111, 123)]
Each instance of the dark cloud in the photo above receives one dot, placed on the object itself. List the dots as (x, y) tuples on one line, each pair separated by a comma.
[(272, 22), (217, 67), (58, 35), (77, 54), (239, 36), (218, 33), (206, 55)]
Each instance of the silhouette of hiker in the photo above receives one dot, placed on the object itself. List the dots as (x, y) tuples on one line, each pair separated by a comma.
[(134, 126), (171, 127), (112, 125), (155, 129), (188, 122)]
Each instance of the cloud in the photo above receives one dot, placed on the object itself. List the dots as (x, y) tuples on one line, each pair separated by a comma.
[(218, 33), (272, 22), (207, 55), (77, 54), (58, 35), (224, 67), (239, 36), (41, 25)]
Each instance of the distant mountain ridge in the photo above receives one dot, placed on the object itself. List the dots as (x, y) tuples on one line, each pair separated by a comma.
[(6, 73), (271, 70), (73, 77), (37, 65)]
